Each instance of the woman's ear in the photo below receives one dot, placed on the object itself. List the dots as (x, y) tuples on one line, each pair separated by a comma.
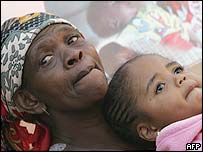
[(147, 131), (26, 102)]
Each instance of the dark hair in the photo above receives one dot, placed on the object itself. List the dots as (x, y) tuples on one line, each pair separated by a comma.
[(119, 107)]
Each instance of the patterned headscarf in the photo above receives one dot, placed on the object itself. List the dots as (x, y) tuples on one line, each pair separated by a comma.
[(17, 35)]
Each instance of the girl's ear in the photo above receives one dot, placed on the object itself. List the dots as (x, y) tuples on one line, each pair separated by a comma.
[(26, 102), (147, 131)]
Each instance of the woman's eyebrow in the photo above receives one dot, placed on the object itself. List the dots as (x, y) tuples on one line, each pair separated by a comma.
[(66, 28)]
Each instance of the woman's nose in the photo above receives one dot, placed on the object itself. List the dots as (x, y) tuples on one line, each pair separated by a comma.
[(73, 58), (180, 78)]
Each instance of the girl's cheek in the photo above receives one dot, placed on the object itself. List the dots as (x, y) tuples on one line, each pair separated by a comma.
[(195, 77)]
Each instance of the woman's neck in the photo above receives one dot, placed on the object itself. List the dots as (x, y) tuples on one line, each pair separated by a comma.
[(86, 129)]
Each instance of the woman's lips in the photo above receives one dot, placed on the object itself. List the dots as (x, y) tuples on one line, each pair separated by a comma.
[(83, 73)]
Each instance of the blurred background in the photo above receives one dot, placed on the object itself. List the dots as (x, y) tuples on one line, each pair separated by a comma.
[(122, 29)]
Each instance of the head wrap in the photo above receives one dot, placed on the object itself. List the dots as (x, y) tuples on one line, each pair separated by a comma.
[(17, 35)]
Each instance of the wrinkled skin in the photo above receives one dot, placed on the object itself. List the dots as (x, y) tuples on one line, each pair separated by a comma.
[(63, 70)]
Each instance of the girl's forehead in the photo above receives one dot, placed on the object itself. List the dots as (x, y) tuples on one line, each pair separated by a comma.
[(145, 66), (150, 61)]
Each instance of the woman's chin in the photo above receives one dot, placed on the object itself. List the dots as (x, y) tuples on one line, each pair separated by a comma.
[(93, 85)]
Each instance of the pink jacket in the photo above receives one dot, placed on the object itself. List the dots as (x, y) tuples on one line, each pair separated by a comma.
[(175, 136)]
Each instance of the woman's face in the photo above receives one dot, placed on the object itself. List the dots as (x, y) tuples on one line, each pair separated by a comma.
[(63, 70), (166, 92)]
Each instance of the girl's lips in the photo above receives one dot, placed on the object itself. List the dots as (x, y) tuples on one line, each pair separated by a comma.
[(195, 95), (190, 88)]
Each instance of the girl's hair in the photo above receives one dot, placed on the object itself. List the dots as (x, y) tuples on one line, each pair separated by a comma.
[(120, 110)]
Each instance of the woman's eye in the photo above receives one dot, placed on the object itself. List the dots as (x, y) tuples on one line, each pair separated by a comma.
[(160, 88), (178, 70), (46, 59), (72, 39)]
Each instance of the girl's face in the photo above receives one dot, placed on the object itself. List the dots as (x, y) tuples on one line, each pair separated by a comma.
[(166, 92)]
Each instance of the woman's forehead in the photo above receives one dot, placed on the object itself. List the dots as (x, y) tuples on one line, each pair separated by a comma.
[(45, 35), (55, 28)]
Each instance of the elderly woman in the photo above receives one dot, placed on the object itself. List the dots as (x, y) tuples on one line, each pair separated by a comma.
[(52, 86)]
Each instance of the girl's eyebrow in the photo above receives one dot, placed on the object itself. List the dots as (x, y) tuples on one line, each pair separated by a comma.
[(171, 64), (151, 80)]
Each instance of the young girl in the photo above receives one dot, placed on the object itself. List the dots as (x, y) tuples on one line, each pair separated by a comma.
[(155, 103)]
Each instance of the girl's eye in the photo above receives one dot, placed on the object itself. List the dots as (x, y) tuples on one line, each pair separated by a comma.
[(178, 70), (72, 39), (46, 59), (160, 88)]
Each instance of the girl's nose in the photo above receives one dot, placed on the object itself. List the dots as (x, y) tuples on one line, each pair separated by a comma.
[(179, 79)]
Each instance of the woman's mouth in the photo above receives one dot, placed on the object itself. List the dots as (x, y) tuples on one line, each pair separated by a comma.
[(83, 73), (86, 71)]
